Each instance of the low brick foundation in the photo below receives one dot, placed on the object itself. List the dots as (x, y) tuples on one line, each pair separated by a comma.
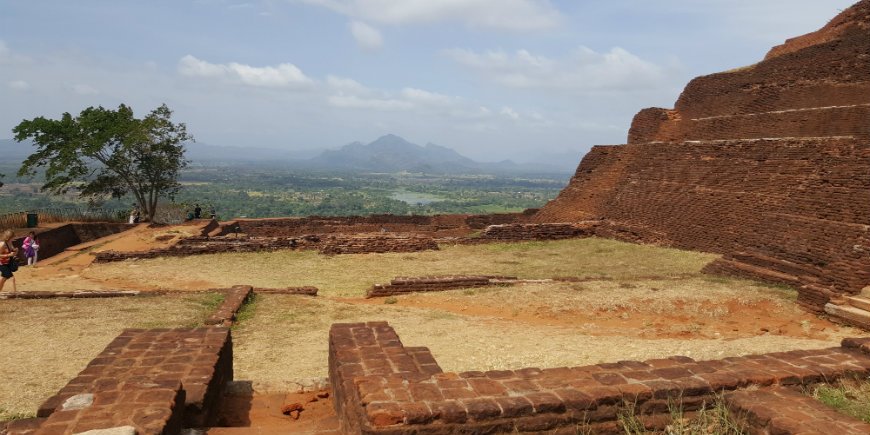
[(157, 381), (376, 243), (545, 231), (81, 294), (213, 245), (303, 291), (234, 298), (405, 285), (382, 387)]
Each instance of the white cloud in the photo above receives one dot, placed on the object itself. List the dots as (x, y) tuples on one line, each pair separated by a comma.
[(512, 15), (18, 85), (367, 37), (510, 113), (355, 102), (83, 89), (283, 75), (427, 98), (584, 70)]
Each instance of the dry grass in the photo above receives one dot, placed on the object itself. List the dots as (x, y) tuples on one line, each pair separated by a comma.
[(850, 397), (284, 342), (351, 275), (47, 342)]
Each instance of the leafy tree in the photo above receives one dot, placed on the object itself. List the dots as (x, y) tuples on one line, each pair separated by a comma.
[(104, 152)]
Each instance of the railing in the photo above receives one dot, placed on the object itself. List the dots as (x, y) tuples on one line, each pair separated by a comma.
[(55, 215)]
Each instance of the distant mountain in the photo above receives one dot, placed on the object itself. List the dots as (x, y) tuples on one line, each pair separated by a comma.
[(388, 153), (392, 153)]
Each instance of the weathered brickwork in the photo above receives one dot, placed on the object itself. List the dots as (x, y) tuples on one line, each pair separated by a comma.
[(376, 243), (454, 225), (157, 381), (382, 387), (556, 231), (234, 298), (78, 294), (422, 284), (213, 245), (810, 87), (792, 209), (783, 411), (303, 291)]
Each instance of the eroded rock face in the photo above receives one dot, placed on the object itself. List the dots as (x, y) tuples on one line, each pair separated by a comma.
[(768, 164)]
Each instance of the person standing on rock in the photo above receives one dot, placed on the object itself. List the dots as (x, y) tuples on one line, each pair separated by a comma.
[(31, 248), (7, 256), (197, 212)]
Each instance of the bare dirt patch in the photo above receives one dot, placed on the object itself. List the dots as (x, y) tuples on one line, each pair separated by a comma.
[(47, 342)]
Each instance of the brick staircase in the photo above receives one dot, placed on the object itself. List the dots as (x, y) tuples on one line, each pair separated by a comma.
[(852, 309)]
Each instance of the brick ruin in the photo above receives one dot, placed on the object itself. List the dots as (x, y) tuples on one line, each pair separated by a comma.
[(382, 387), (404, 285), (768, 165), (359, 234)]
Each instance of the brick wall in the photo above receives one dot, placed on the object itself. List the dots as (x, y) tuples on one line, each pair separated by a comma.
[(56, 240), (799, 208), (375, 243), (382, 387), (405, 285), (521, 232), (156, 381), (438, 225)]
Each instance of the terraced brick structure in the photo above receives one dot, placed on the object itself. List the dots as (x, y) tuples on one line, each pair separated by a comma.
[(767, 164)]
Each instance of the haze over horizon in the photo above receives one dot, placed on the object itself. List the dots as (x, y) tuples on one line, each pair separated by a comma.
[(528, 80)]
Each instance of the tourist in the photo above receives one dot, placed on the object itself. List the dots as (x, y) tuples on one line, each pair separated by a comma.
[(134, 215), (31, 248), (212, 212), (197, 211), (7, 259)]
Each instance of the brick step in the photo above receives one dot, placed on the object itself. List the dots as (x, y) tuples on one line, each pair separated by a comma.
[(772, 263), (806, 109), (761, 272), (859, 302), (786, 412), (849, 314)]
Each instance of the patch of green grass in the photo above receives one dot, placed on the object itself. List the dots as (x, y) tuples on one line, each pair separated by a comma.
[(850, 397), (390, 300), (248, 309)]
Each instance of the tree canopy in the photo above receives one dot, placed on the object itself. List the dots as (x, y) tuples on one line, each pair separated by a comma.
[(103, 152)]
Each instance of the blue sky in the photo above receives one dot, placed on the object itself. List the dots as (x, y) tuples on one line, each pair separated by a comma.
[(530, 80)]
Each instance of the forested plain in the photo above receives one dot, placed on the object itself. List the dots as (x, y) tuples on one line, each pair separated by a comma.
[(269, 191)]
